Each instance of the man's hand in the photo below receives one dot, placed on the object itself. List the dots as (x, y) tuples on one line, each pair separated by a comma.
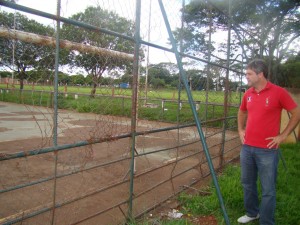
[(242, 135), (294, 120), (275, 141), (242, 117)]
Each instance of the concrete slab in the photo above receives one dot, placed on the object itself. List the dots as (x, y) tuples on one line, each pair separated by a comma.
[(19, 121)]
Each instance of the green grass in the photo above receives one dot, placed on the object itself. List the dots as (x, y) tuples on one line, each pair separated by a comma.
[(163, 222), (288, 194), (213, 96), (120, 103)]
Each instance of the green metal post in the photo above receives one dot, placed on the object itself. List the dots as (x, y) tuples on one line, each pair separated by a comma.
[(55, 124), (191, 101)]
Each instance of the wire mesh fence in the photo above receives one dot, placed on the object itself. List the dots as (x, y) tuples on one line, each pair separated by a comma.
[(93, 134)]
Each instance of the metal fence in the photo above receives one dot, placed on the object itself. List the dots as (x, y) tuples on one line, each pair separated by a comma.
[(85, 149)]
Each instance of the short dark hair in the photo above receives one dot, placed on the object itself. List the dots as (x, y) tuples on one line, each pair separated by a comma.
[(258, 66)]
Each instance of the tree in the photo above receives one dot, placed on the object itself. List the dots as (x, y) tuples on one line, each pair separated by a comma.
[(5, 74), (198, 80), (289, 72), (156, 71), (157, 83), (261, 28), (96, 65), (35, 76), (89, 80), (164, 71), (26, 56), (78, 79), (126, 78), (63, 79), (217, 74), (193, 34), (171, 67)]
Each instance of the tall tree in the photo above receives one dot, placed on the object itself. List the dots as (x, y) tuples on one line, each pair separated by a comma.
[(19, 56), (198, 81), (289, 71), (159, 71), (261, 28), (94, 64)]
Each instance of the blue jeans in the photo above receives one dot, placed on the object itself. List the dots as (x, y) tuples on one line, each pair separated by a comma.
[(263, 163)]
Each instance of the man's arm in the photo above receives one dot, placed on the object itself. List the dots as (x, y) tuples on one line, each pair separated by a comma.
[(293, 122), (242, 117)]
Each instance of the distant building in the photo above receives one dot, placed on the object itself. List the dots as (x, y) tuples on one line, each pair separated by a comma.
[(124, 85)]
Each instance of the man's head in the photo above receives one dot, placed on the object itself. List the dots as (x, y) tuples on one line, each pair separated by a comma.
[(258, 66), (257, 73)]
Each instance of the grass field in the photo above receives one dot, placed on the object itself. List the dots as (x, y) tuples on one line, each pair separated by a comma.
[(117, 101), (170, 94)]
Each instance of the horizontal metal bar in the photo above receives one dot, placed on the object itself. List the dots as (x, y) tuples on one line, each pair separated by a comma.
[(62, 19), (97, 29), (7, 156), (102, 165), (64, 44), (48, 208)]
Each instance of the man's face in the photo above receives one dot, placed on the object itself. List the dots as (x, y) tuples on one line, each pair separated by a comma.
[(252, 77)]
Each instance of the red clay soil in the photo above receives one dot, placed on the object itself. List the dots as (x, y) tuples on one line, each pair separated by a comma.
[(15, 172)]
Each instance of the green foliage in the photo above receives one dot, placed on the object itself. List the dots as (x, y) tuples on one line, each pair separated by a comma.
[(96, 64), (290, 72), (5, 74), (198, 80), (27, 56), (163, 222), (77, 79), (158, 72), (157, 83), (260, 29)]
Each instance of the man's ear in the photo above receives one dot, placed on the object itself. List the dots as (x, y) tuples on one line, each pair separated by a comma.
[(261, 74)]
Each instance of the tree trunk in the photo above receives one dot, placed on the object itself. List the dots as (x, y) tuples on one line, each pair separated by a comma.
[(93, 91), (21, 84), (22, 77)]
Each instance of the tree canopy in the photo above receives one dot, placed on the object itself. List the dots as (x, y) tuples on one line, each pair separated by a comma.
[(19, 56), (97, 65), (289, 72), (260, 29)]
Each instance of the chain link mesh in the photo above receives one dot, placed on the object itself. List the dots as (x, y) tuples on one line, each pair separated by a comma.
[(85, 177)]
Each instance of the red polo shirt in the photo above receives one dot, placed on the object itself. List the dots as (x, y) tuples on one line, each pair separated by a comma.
[(264, 113)]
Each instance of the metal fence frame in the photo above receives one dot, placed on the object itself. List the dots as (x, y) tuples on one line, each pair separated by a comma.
[(134, 133)]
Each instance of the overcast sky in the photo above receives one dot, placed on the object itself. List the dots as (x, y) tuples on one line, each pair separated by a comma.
[(126, 8), (157, 33)]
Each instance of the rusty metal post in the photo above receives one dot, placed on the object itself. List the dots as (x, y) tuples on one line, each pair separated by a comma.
[(134, 103), (226, 87)]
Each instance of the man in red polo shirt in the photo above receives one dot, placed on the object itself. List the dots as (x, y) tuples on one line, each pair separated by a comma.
[(259, 130)]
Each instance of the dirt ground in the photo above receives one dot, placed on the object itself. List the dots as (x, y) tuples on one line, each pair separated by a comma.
[(90, 184)]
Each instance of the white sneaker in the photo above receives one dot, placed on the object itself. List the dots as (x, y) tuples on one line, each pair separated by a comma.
[(247, 219)]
